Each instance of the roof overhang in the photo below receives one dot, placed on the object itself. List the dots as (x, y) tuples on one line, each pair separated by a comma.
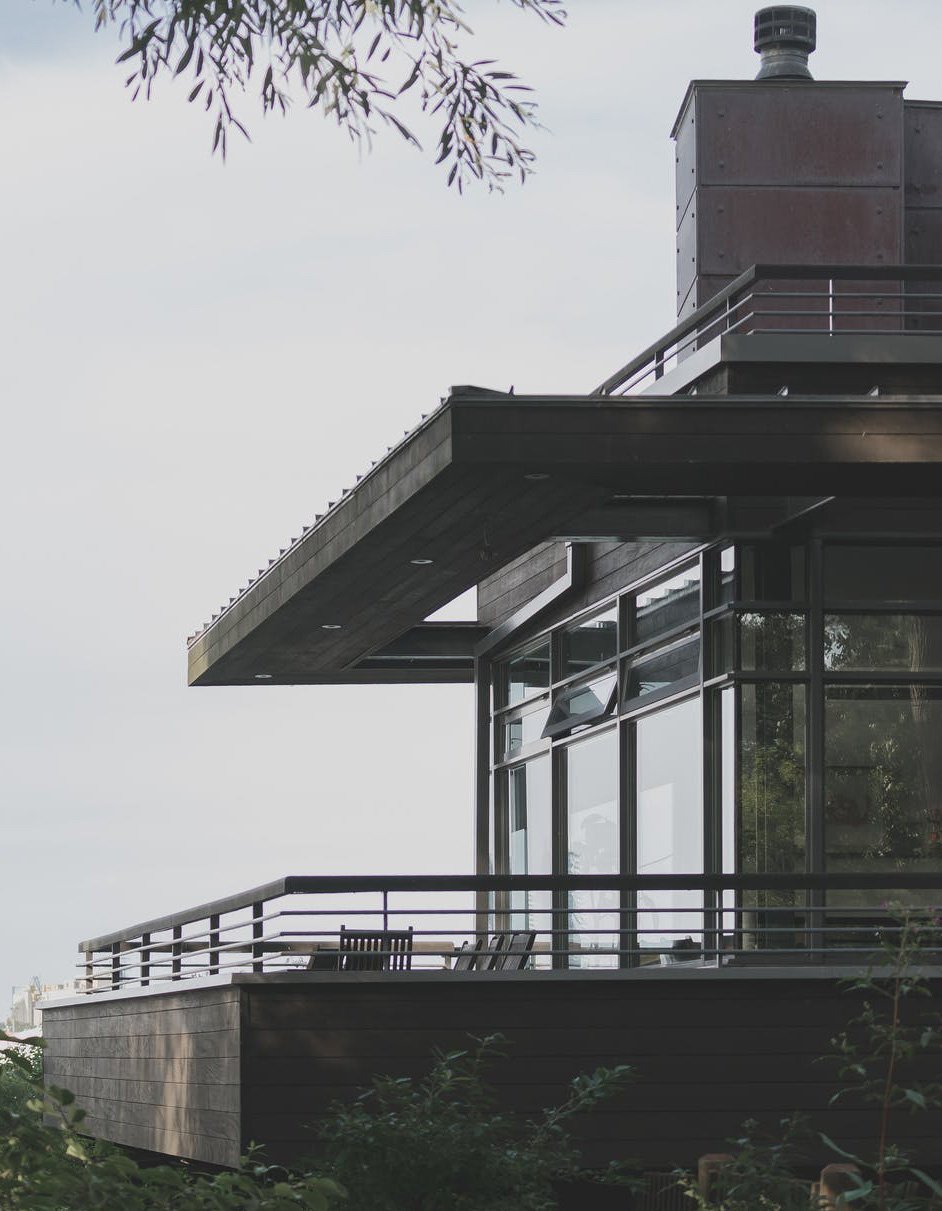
[(488, 476)]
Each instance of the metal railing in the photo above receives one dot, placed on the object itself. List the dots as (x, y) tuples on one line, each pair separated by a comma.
[(800, 300), (577, 922)]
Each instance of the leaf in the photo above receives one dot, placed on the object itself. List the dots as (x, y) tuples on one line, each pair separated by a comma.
[(185, 59), (926, 1180), (840, 1151), (849, 1196), (914, 1096)]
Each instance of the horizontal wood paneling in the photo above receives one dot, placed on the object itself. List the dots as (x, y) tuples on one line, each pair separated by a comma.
[(155, 1072), (706, 1056)]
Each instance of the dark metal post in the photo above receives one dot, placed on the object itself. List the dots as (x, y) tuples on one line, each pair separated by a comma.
[(89, 970), (115, 964), (214, 944), (145, 959), (258, 930), (176, 951)]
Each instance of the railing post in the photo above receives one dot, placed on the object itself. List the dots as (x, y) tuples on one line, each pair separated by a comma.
[(145, 959), (214, 944), (89, 970), (115, 965), (385, 908), (176, 952), (258, 929), (830, 306)]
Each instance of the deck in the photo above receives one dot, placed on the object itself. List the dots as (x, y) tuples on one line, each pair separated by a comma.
[(171, 1057)]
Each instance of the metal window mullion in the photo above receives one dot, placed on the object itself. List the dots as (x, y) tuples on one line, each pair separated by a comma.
[(815, 738)]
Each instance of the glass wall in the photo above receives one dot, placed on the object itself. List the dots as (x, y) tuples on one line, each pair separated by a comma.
[(673, 730)]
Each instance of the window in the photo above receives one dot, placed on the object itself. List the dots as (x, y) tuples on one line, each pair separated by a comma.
[(882, 573), (893, 643), (579, 705), (528, 673), (666, 671), (666, 606), (590, 642), (592, 846)]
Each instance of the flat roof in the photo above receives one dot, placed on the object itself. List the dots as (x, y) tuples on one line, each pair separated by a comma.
[(488, 476)]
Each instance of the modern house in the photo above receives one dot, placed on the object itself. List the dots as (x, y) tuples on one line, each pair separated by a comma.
[(707, 661)]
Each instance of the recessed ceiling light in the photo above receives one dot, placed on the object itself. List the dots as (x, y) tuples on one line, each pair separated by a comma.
[(421, 563), (263, 676), (331, 626), (536, 475)]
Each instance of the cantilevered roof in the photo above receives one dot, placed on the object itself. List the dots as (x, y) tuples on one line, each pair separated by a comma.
[(488, 476)]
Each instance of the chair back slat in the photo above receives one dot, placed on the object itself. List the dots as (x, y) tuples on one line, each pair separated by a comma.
[(468, 956), (515, 955), (375, 949)]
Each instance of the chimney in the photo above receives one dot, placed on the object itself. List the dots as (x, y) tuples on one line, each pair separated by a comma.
[(785, 170), (785, 36)]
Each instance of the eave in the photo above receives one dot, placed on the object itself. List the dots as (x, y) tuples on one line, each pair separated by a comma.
[(467, 491)]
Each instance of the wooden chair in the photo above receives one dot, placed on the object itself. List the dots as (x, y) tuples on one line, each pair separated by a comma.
[(515, 955), (468, 955), (375, 949)]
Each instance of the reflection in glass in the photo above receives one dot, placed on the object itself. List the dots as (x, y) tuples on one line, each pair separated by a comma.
[(772, 571), (771, 804), (667, 670), (883, 780), (528, 673), (581, 704), (772, 642), (590, 642), (592, 837), (663, 607), (669, 746), (882, 573), (530, 841), (883, 643), (521, 728), (727, 586)]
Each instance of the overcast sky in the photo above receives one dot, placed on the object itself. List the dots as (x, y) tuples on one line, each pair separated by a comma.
[(197, 357)]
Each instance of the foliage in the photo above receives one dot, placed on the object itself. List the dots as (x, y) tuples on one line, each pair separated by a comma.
[(761, 1174), (357, 61), (422, 1145), (45, 1165), (20, 1069), (441, 1143), (883, 1056)]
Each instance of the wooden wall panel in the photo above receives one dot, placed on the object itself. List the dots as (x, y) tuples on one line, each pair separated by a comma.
[(157, 1072), (708, 1054), (611, 566)]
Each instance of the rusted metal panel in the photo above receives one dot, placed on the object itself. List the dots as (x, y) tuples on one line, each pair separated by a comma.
[(685, 160), (800, 134), (923, 154), (742, 226)]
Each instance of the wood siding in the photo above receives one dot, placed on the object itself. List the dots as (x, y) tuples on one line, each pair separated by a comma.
[(708, 1054), (158, 1073), (709, 1049), (610, 567)]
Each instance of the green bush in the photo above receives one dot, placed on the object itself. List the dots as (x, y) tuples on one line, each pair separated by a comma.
[(423, 1145), (442, 1144)]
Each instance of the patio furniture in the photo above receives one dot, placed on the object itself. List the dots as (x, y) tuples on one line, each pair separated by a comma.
[(515, 955), (375, 950), (467, 955)]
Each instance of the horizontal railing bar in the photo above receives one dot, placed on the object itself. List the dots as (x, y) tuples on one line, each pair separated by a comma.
[(715, 309), (338, 884)]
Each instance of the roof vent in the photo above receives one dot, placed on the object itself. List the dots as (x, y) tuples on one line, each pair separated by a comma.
[(785, 36)]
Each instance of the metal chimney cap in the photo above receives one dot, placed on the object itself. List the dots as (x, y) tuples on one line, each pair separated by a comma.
[(785, 35)]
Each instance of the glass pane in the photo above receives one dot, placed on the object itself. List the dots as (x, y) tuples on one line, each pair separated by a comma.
[(530, 843), (772, 642), (727, 586), (666, 670), (883, 643), (581, 704), (882, 573), (670, 825), (590, 642), (722, 645), (528, 673), (670, 604), (883, 781), (771, 809), (772, 571), (592, 834), (522, 728)]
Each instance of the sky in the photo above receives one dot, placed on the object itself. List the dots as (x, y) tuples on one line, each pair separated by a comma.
[(196, 357)]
